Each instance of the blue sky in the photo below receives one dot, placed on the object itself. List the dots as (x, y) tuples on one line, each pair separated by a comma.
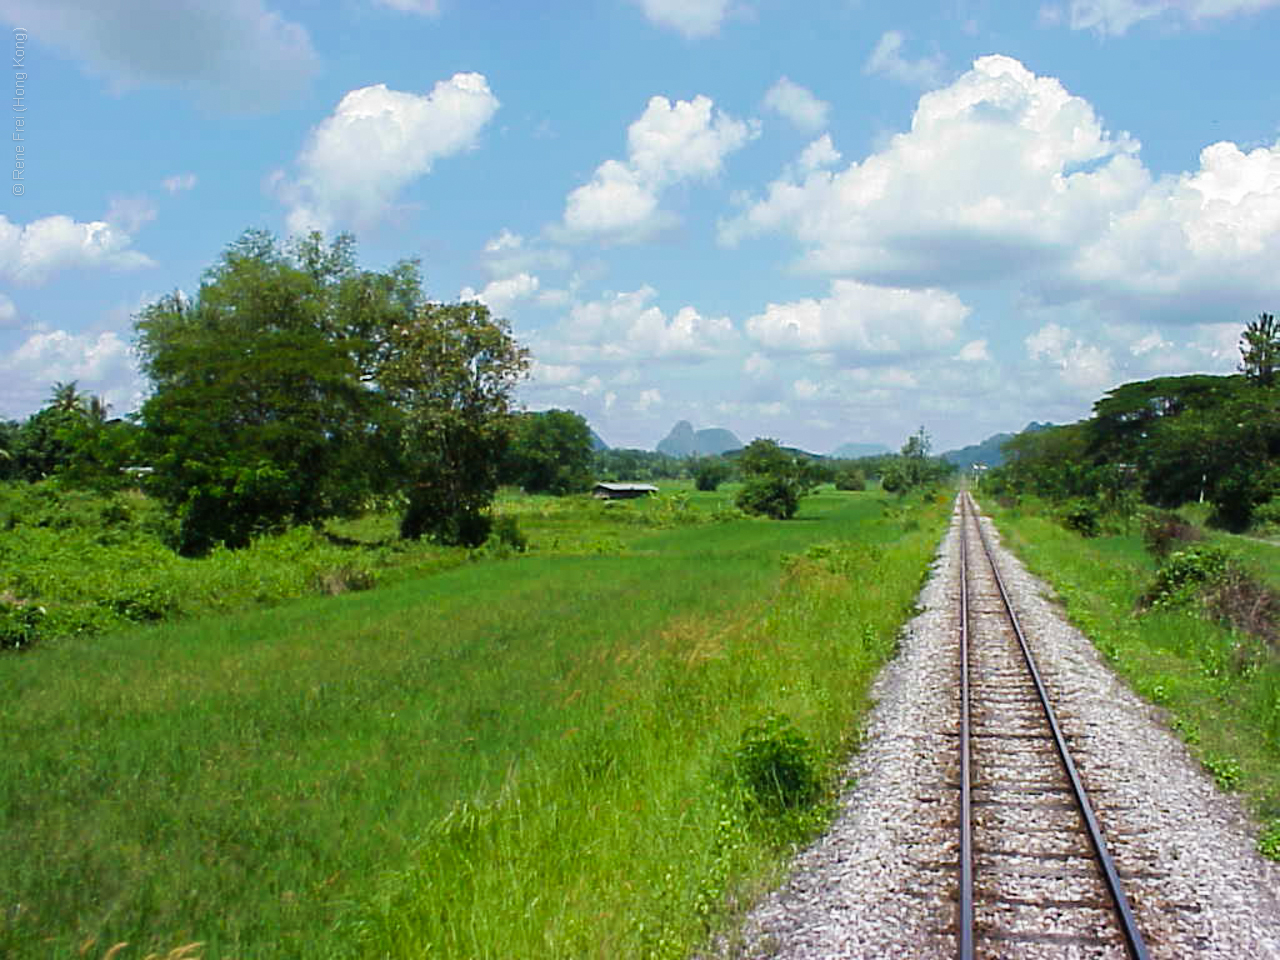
[(823, 222)]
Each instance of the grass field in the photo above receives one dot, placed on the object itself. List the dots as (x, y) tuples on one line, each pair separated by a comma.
[(1221, 689), (520, 757)]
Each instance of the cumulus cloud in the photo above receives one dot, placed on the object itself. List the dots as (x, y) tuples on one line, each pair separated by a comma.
[(500, 295), (628, 326), (102, 363), (1192, 244), (1000, 169), (1082, 366), (798, 105), (1115, 17), (693, 18), (669, 143), (861, 323), (378, 141), (8, 312), (236, 55), (646, 399), (31, 254), (819, 155), (887, 58)]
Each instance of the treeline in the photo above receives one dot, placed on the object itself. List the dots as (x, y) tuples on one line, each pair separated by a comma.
[(1167, 442)]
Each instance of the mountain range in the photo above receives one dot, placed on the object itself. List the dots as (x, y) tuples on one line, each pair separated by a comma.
[(684, 441)]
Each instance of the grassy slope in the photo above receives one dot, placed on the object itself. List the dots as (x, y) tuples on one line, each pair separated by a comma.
[(1221, 690), (511, 758)]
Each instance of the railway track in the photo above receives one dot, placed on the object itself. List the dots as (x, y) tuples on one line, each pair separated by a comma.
[(1035, 875)]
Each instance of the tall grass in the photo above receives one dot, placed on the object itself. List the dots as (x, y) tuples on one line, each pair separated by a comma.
[(515, 758)]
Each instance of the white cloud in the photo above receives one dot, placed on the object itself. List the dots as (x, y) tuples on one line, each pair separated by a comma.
[(797, 104), (179, 182), (975, 351), (1082, 366), (819, 155), (235, 54), (499, 295), (863, 323), (667, 144), (31, 254), (377, 142), (129, 213), (887, 58), (757, 365), (1114, 17), (1192, 245), (647, 399), (427, 8), (1000, 170), (627, 326), (693, 18), (8, 312), (102, 364), (553, 375)]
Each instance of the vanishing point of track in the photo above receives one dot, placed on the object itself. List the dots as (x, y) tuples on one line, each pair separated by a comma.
[(1035, 873)]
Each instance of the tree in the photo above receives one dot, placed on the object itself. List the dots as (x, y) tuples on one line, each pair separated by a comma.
[(449, 373), (775, 480), (261, 411), (1260, 350), (67, 399), (550, 453), (710, 472)]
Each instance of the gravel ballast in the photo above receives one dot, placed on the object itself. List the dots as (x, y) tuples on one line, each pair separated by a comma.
[(882, 881)]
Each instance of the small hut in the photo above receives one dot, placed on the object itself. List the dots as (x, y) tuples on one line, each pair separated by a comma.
[(622, 491)]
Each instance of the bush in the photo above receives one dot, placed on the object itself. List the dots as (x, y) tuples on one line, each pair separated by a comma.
[(775, 767), (19, 622), (1162, 531), (710, 473), (769, 496), (1185, 574), (1268, 514), (851, 480), (1082, 516)]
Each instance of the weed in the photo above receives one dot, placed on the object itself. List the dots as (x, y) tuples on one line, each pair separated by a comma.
[(775, 767), (1164, 530), (1269, 840), (1225, 771)]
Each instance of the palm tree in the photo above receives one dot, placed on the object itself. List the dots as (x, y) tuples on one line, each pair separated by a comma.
[(97, 409), (67, 398)]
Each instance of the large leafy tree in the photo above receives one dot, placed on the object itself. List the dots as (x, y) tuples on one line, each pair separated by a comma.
[(449, 372), (550, 453), (261, 411), (776, 480)]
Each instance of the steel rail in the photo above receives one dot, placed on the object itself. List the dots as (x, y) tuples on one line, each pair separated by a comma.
[(966, 799), (1129, 927)]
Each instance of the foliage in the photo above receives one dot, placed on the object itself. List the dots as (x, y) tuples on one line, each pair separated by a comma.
[(850, 478), (1082, 516), (1185, 573), (550, 453), (622, 464), (775, 767), (710, 472), (1260, 350), (449, 375), (1163, 531), (775, 480), (260, 414)]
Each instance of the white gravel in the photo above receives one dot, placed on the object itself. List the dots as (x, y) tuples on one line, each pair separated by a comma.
[(882, 882)]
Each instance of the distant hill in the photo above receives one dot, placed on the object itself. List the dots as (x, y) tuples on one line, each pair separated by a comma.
[(988, 451), (684, 441), (851, 451), (596, 443)]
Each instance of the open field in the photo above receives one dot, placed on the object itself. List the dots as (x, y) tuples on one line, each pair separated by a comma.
[(520, 757), (1221, 689)]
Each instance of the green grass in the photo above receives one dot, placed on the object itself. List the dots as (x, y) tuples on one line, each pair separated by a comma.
[(519, 757), (1221, 690)]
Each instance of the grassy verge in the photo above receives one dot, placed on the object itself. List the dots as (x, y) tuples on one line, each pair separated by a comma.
[(1221, 689), (537, 757)]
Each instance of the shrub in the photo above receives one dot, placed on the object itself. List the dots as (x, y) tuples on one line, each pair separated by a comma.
[(19, 622), (769, 496), (776, 768), (1185, 574), (1244, 603), (1163, 530), (851, 480), (710, 473), (1082, 516), (1268, 514)]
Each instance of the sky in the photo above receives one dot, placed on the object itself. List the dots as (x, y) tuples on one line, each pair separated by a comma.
[(821, 221)]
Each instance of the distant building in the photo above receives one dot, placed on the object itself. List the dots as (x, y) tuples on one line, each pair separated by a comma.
[(622, 491)]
